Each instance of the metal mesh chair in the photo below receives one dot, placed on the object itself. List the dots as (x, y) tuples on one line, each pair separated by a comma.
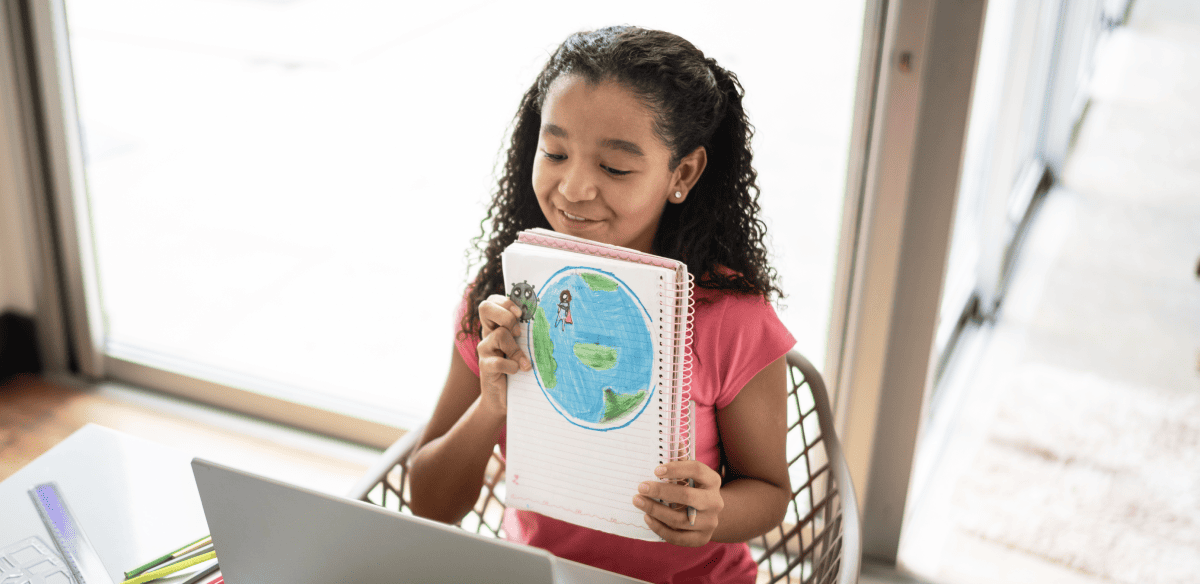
[(820, 539), (818, 542)]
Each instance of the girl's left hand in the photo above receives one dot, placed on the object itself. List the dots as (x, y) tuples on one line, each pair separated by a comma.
[(670, 520)]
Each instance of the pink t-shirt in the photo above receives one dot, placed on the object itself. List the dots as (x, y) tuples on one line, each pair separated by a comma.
[(735, 337)]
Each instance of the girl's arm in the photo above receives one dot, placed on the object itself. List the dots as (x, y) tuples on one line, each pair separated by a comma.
[(756, 490), (753, 430), (448, 465)]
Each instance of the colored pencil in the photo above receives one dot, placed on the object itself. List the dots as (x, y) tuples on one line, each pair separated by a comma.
[(172, 562), (177, 566), (156, 561), (202, 574), (202, 543)]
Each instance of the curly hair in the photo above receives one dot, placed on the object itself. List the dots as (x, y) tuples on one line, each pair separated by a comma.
[(694, 102)]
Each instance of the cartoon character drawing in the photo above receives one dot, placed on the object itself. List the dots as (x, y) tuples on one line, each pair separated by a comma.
[(564, 310), (522, 294)]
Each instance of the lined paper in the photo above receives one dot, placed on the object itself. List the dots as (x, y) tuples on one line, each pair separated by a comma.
[(587, 471)]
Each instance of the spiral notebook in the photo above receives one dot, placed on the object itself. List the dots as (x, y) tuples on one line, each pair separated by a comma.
[(607, 400)]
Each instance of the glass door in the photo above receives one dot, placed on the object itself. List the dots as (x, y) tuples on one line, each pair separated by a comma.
[(1003, 164), (1030, 87)]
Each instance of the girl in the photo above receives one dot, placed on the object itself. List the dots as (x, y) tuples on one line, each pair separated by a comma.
[(632, 137)]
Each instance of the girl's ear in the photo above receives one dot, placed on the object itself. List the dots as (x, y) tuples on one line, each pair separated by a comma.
[(687, 173)]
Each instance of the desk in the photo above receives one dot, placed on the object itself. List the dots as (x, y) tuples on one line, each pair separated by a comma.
[(133, 498)]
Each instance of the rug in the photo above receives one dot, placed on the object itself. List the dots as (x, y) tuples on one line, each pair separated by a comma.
[(1092, 474)]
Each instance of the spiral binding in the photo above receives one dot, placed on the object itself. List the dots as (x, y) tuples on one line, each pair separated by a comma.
[(676, 442)]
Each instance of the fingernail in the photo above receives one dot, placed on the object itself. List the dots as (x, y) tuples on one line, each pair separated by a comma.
[(660, 471), (638, 502), (644, 488), (526, 365)]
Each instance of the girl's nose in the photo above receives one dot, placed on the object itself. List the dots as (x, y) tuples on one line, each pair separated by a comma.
[(576, 185)]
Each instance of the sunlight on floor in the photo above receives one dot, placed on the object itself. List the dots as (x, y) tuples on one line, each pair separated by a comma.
[(1072, 448)]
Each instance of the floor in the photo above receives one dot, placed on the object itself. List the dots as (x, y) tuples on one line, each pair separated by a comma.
[(36, 414), (1103, 315)]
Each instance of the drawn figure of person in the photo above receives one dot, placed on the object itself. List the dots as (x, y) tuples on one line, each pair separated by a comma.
[(564, 310)]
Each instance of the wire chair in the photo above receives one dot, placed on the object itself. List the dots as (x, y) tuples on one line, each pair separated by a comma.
[(818, 542)]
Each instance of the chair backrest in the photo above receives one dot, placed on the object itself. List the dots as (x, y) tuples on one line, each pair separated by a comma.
[(818, 542), (386, 484)]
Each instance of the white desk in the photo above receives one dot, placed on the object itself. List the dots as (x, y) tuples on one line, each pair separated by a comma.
[(133, 498)]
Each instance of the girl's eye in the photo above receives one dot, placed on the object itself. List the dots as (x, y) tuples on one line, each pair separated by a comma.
[(555, 157), (615, 172)]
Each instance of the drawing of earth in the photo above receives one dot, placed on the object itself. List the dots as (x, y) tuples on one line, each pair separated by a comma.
[(595, 367)]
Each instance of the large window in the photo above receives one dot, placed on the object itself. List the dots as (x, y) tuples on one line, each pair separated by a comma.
[(282, 191)]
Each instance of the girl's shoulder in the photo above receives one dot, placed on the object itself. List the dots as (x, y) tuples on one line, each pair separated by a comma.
[(734, 336), (730, 303), (724, 309)]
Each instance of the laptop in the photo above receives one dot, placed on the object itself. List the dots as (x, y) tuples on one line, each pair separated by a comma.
[(269, 532)]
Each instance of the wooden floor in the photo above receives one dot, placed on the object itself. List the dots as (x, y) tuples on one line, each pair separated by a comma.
[(36, 414)]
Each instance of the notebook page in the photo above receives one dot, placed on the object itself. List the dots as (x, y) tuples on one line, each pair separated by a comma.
[(584, 426)]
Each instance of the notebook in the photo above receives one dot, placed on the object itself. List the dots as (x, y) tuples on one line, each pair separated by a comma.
[(607, 399)]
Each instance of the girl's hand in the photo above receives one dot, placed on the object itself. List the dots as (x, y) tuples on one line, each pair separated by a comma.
[(499, 354), (670, 520)]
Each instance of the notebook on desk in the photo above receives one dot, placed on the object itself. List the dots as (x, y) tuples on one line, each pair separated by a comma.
[(269, 532)]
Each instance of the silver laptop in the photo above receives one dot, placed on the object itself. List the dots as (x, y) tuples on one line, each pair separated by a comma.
[(268, 532)]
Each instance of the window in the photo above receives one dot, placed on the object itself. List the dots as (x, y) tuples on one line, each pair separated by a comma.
[(281, 192)]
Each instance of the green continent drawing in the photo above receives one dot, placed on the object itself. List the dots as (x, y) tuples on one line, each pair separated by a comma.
[(543, 349), (598, 357), (617, 405), (599, 283)]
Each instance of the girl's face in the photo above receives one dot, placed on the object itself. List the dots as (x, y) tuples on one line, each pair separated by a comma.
[(601, 172)]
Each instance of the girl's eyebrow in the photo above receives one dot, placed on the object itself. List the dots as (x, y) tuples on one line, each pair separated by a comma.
[(613, 143), (622, 145)]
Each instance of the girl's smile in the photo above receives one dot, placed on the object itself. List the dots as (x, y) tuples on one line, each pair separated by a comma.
[(600, 171)]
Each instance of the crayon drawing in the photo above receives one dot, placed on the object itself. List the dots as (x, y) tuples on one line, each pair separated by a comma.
[(523, 295), (593, 357), (564, 310)]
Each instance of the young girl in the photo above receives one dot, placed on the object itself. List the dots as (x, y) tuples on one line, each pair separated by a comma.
[(632, 137)]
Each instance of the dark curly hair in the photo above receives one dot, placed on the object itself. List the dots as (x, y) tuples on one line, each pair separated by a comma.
[(695, 103)]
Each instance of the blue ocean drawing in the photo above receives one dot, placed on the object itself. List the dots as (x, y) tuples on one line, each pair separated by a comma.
[(592, 349)]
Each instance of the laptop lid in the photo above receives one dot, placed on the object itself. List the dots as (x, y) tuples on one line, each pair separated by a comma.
[(269, 532)]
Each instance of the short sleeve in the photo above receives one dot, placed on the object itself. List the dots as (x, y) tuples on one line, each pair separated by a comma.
[(739, 335), (467, 345)]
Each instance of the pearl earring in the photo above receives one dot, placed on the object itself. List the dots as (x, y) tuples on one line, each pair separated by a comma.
[(678, 195)]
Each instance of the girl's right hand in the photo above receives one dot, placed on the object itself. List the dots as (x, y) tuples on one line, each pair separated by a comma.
[(499, 353)]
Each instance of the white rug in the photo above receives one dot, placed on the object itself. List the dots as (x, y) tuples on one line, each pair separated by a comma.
[(1097, 476)]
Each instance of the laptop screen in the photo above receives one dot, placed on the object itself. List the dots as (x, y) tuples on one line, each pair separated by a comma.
[(268, 532)]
